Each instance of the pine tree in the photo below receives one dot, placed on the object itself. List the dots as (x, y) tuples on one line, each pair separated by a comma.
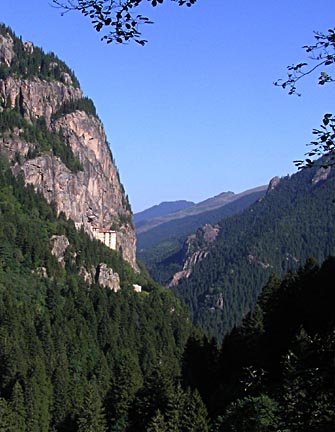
[(6, 417), (251, 414), (157, 423), (18, 407), (125, 382), (61, 387), (175, 408), (307, 399), (38, 396), (92, 417), (194, 417), (153, 396)]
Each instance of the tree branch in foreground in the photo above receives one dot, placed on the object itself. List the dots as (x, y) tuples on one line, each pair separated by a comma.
[(323, 53), (117, 18)]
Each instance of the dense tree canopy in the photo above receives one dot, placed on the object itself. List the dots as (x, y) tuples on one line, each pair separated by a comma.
[(77, 356), (26, 64), (275, 372)]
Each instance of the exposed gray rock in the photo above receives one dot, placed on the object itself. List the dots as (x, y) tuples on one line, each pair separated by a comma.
[(66, 78), (193, 254), (59, 244), (38, 97), (104, 275), (41, 271), (274, 182), (6, 50), (92, 197), (107, 278), (88, 277), (254, 260), (12, 145), (210, 232), (28, 47), (321, 175), (137, 288)]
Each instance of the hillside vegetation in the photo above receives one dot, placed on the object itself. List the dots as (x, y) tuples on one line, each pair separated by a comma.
[(76, 356), (34, 63), (294, 221), (274, 372), (161, 248), (67, 346)]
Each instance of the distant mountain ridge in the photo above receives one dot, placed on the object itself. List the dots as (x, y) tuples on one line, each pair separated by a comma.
[(183, 223), (201, 207), (162, 209)]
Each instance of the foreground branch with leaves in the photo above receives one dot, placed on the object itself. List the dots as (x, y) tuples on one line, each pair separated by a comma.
[(322, 55), (118, 18)]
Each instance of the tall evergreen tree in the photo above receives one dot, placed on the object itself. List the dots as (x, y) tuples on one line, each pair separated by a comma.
[(194, 417), (17, 405), (250, 414), (6, 417), (157, 423), (92, 416)]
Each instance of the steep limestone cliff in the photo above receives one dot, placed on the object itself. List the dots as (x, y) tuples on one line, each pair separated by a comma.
[(38, 98), (92, 195)]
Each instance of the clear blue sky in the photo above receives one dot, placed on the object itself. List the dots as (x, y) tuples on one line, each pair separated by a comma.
[(194, 112)]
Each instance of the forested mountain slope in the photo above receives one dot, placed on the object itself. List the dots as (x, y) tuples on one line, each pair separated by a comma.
[(275, 372), (80, 350), (73, 351), (295, 220), (160, 248)]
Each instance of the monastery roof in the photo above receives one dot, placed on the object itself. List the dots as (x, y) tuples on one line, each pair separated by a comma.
[(103, 230)]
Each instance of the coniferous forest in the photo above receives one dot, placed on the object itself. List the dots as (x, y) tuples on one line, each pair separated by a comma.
[(35, 63), (78, 357), (292, 222), (66, 344)]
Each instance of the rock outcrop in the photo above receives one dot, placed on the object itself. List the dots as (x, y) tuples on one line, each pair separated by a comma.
[(321, 175), (104, 275), (91, 196), (107, 278), (274, 182), (59, 244), (38, 98), (196, 248), (6, 50)]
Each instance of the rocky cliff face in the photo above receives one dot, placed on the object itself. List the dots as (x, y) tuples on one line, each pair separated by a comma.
[(196, 248), (38, 98), (92, 196), (6, 49)]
